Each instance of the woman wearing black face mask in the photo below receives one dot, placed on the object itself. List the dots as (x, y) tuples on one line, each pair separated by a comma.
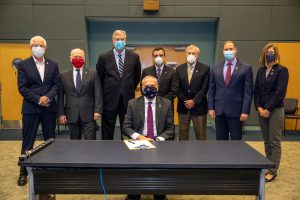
[(269, 91)]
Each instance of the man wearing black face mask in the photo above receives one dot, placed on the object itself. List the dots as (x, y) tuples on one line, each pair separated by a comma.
[(149, 117)]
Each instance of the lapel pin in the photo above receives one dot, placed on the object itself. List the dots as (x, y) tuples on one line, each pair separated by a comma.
[(159, 105), (196, 71)]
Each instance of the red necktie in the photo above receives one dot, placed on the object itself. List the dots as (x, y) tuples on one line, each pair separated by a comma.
[(150, 132), (228, 74)]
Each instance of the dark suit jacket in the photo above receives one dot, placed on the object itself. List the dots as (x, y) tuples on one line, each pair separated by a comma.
[(113, 85), (269, 92), (234, 99), (196, 90), (84, 104), (135, 117), (168, 81), (31, 87)]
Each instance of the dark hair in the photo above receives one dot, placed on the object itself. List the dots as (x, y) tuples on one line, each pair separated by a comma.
[(158, 49)]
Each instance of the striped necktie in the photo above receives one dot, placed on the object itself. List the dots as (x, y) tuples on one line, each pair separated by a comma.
[(158, 73), (121, 65)]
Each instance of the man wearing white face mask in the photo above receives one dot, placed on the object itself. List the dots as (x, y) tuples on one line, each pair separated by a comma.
[(119, 71), (166, 76), (192, 103), (230, 94), (38, 83)]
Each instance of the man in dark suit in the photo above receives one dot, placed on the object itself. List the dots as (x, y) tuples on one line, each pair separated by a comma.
[(38, 83), (230, 94), (119, 71), (150, 118), (80, 98), (192, 103), (166, 76)]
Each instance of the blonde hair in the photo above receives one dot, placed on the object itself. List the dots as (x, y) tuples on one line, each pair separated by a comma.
[(118, 32), (38, 37), (263, 60), (76, 49), (193, 47)]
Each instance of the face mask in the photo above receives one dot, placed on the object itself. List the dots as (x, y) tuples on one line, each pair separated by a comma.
[(270, 57), (77, 62), (158, 61), (191, 59), (38, 51), (119, 45), (149, 92), (229, 55)]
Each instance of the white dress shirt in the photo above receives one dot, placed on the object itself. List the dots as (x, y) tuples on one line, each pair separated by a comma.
[(153, 106), (75, 75), (40, 67)]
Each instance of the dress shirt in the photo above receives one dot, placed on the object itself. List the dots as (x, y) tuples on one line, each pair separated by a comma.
[(233, 63), (40, 67), (116, 53), (75, 74)]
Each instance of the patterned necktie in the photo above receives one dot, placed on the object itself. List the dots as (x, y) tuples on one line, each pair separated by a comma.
[(158, 73), (78, 81), (228, 74), (150, 132), (121, 65), (190, 72)]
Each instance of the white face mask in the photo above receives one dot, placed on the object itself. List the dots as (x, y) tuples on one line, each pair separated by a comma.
[(38, 51), (158, 61), (191, 59)]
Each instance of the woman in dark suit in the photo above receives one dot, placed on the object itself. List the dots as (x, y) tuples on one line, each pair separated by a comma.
[(269, 91)]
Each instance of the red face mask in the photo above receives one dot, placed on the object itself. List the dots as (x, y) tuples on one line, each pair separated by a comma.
[(78, 62)]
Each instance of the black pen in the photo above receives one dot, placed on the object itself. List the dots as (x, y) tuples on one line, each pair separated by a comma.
[(130, 141)]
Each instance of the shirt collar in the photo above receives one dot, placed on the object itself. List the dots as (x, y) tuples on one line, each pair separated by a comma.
[(152, 100), (233, 62), (74, 69), (193, 65), (117, 53), (36, 61), (161, 67)]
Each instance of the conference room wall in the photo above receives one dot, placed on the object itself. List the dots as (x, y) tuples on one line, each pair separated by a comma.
[(63, 22)]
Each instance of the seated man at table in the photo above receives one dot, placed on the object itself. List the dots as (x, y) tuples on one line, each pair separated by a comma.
[(149, 117)]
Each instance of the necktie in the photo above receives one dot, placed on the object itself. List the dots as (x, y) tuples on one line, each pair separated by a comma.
[(190, 72), (78, 81), (121, 65), (150, 132), (228, 74), (158, 73)]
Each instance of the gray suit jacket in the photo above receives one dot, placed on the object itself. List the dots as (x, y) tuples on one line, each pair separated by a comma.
[(135, 117), (84, 104)]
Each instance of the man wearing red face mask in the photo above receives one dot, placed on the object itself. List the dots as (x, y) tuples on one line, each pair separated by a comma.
[(80, 98)]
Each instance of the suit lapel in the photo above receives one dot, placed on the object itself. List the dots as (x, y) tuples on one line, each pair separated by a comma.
[(72, 83), (46, 72), (125, 62), (36, 71), (158, 114), (84, 79), (195, 72), (141, 111), (184, 73), (163, 74), (113, 61), (220, 73)]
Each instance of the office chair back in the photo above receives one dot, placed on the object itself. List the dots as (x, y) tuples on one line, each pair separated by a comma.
[(290, 106)]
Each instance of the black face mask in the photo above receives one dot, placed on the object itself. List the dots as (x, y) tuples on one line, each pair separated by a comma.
[(149, 92), (270, 57)]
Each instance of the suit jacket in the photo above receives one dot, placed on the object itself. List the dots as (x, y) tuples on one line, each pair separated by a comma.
[(196, 89), (84, 104), (114, 85), (135, 117), (32, 87), (168, 81), (235, 98), (269, 92)]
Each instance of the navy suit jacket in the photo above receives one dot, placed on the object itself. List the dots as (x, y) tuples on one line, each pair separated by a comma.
[(269, 92), (32, 87), (235, 98)]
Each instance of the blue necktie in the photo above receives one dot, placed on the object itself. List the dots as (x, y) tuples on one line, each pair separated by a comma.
[(121, 65), (78, 81)]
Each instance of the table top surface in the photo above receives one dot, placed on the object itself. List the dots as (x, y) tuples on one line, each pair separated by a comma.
[(168, 154)]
